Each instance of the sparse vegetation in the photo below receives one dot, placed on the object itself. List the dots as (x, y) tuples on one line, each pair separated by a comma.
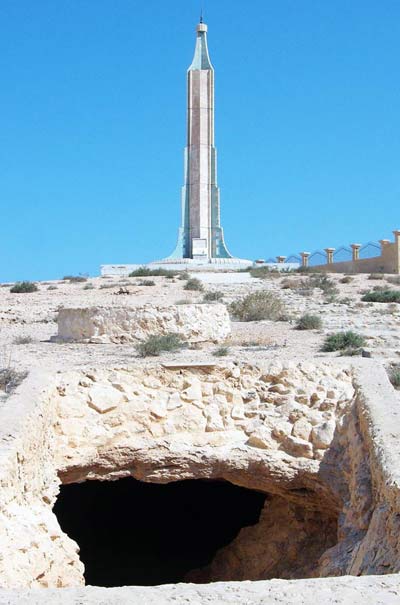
[(150, 272), (194, 284), (221, 352), (155, 344), (395, 280), (351, 352), (394, 376), (147, 282), (75, 279), (10, 377), (263, 272), (24, 287), (292, 284), (309, 322), (341, 341), (377, 276), (51, 287), (184, 275), (382, 296), (258, 306), (23, 340), (88, 287), (184, 301), (324, 283), (213, 296), (346, 279)]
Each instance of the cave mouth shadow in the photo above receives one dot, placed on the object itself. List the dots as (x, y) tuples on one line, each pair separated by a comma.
[(135, 533)]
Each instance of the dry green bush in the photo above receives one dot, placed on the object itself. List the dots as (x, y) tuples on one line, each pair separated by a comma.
[(75, 279), (264, 273), (213, 296), (309, 322), (24, 287), (149, 272), (23, 340), (194, 284), (258, 306), (382, 296), (155, 344), (341, 341), (221, 352)]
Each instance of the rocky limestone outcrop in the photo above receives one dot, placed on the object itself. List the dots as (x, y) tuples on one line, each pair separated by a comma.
[(317, 439), (195, 323)]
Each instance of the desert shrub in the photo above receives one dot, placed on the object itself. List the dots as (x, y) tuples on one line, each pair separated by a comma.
[(193, 284), (292, 284), (264, 272), (147, 282), (309, 322), (345, 301), (153, 272), (305, 291), (24, 287), (10, 378), (221, 352), (184, 275), (155, 344), (184, 301), (324, 283), (346, 279), (52, 287), (343, 340), (395, 280), (382, 296), (75, 279), (376, 276), (23, 340), (351, 352), (88, 287), (244, 269), (378, 288), (213, 296), (258, 306), (394, 376)]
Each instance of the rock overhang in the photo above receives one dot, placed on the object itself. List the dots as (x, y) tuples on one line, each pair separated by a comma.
[(270, 464)]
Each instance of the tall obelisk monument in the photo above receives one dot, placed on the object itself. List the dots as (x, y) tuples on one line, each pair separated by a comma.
[(200, 236)]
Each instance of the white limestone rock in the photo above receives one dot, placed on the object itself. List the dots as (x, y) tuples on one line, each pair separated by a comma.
[(194, 323)]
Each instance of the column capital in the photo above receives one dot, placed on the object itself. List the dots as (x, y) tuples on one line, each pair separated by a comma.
[(384, 242), (356, 246), (281, 259), (304, 258), (329, 255)]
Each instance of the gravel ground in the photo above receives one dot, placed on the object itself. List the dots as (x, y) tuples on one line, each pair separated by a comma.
[(34, 316)]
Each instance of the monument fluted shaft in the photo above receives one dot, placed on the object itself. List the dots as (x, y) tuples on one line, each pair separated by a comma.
[(200, 236)]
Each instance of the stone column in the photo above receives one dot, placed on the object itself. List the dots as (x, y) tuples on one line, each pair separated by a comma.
[(329, 255), (397, 246), (281, 259), (356, 251), (304, 258)]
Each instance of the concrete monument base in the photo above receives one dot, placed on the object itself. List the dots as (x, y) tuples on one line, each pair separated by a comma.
[(181, 264)]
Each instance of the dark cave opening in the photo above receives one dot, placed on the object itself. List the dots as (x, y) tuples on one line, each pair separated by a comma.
[(135, 533)]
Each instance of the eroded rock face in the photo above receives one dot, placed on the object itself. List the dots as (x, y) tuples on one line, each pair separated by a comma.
[(194, 322), (300, 433)]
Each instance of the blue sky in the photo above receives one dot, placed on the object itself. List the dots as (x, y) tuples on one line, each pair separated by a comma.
[(92, 127)]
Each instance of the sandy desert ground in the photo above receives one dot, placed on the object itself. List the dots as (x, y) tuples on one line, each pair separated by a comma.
[(32, 316)]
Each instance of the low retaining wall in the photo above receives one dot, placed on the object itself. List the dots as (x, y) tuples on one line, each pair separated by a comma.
[(101, 325)]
